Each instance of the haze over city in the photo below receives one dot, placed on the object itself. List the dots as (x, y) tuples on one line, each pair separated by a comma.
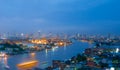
[(90, 16)]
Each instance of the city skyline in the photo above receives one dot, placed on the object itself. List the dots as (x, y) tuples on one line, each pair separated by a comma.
[(94, 16)]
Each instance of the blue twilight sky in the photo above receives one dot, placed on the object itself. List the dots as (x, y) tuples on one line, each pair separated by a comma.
[(94, 16)]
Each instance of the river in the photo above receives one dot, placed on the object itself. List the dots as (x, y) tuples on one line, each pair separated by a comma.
[(61, 53)]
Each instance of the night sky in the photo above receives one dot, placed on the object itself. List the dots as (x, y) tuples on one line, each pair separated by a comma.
[(90, 16)]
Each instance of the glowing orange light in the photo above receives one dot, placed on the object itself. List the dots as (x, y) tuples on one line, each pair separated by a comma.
[(26, 65)]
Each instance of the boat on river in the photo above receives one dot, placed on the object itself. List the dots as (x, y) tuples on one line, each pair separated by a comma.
[(27, 65)]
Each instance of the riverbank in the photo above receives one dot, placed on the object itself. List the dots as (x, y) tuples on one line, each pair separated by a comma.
[(15, 49), (96, 58)]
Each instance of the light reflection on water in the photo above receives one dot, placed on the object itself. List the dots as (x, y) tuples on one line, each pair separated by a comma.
[(3, 63), (45, 57)]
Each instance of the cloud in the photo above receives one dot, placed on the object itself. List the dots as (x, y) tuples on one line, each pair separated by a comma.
[(17, 20)]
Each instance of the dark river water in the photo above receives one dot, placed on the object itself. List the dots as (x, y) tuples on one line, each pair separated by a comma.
[(46, 56)]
